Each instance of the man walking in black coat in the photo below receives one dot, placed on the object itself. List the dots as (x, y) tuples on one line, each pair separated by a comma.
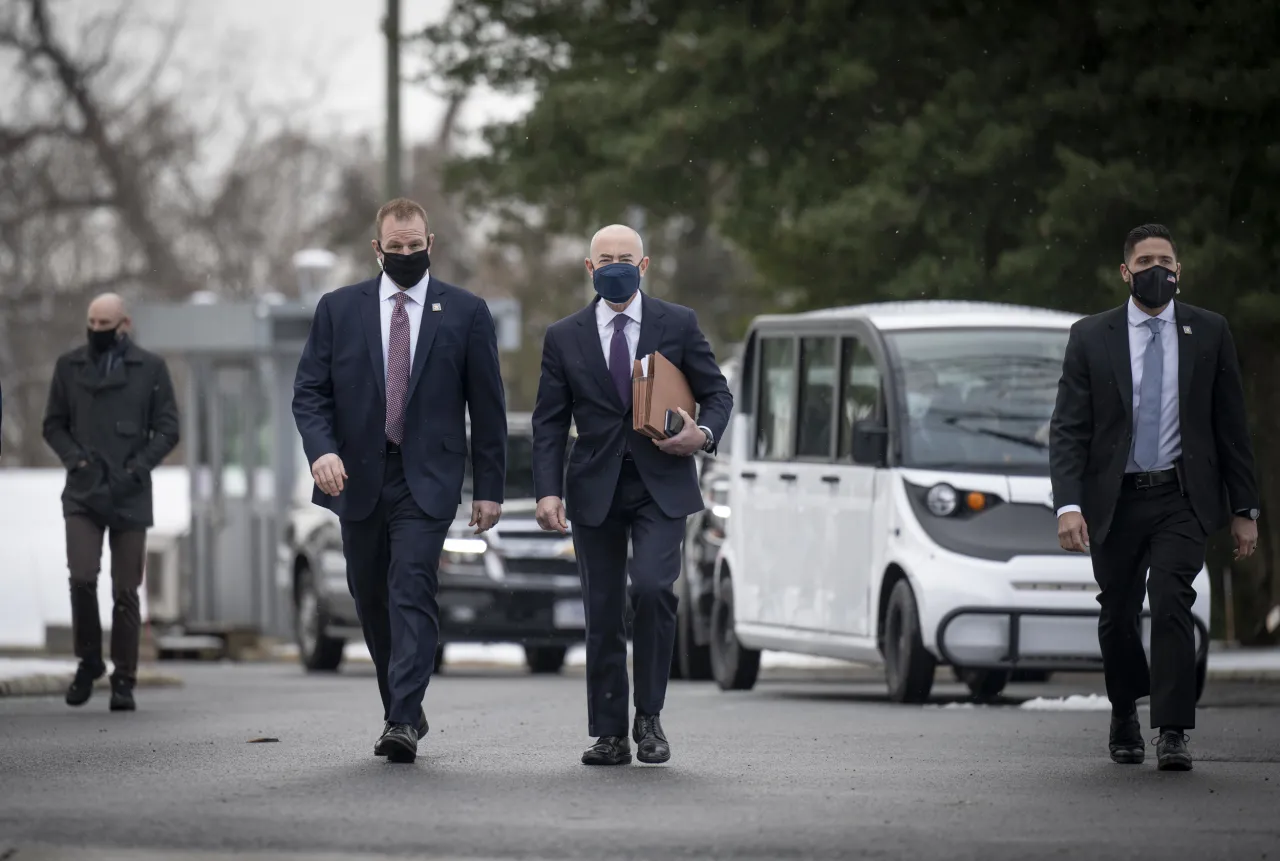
[(1149, 453), (621, 485), (111, 419)]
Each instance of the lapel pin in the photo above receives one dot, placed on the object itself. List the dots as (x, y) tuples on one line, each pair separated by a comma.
[(1186, 330), (435, 306)]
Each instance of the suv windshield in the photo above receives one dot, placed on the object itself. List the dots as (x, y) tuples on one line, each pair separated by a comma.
[(977, 399), (519, 467)]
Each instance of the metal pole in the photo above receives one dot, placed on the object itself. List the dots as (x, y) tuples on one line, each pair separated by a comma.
[(391, 27)]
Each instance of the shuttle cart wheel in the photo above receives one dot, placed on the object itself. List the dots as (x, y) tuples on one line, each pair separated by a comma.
[(908, 665), (985, 684), (545, 660), (735, 666), (318, 651)]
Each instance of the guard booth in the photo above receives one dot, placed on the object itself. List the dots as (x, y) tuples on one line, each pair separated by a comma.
[(235, 363)]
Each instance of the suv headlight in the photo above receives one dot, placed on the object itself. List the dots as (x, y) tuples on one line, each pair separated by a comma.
[(465, 551)]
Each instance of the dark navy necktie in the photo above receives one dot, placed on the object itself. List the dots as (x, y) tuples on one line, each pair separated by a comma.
[(620, 359)]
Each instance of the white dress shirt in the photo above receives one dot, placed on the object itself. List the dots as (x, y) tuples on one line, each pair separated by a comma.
[(635, 314), (1169, 448), (417, 296), (604, 323)]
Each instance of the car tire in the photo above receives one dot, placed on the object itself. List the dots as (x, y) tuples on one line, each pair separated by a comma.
[(692, 660), (985, 684), (908, 665), (734, 666), (545, 660), (316, 649)]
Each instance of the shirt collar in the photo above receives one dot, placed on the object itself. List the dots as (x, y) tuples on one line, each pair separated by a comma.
[(1138, 317), (418, 292), (605, 314)]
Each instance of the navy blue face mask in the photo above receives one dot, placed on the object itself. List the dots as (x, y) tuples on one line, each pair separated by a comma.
[(616, 282)]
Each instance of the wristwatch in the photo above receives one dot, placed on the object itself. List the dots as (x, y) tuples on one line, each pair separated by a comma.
[(711, 438), (1251, 513)]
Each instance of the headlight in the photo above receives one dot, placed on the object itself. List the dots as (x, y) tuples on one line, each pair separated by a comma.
[(721, 511), (465, 546), (942, 500)]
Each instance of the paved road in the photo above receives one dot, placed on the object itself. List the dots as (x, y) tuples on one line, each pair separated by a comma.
[(798, 768)]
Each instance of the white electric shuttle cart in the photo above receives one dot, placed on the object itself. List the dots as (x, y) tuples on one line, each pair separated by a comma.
[(889, 483)]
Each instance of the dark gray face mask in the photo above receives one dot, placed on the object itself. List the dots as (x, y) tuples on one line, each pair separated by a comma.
[(1154, 287)]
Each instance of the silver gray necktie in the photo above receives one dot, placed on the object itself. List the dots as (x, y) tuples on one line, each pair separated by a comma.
[(1146, 432)]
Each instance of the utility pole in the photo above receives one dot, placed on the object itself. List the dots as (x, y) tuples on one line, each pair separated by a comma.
[(391, 27)]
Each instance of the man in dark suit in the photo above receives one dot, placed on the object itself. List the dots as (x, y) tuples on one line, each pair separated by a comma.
[(622, 485), (1149, 453), (391, 367)]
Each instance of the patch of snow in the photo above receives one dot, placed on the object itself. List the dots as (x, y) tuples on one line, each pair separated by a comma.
[(17, 668), (33, 578), (1073, 703)]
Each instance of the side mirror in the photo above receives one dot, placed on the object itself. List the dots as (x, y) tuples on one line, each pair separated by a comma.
[(870, 444)]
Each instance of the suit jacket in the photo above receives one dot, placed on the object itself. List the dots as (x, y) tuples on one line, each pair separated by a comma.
[(1092, 427), (575, 386), (110, 430), (340, 392)]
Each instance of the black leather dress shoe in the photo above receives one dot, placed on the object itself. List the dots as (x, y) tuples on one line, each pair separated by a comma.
[(651, 741), (401, 743), (1127, 746), (608, 750), (81, 687), (423, 728), (122, 696), (1172, 753)]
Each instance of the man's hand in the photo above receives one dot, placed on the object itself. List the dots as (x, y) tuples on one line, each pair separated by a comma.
[(1245, 533), (690, 439), (550, 515), (329, 474), (1073, 535), (484, 515)]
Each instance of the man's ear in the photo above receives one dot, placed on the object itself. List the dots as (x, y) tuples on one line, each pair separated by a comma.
[(1124, 273), (431, 242), (586, 262), (644, 265)]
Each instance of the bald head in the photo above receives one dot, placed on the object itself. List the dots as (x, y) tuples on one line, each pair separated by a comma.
[(107, 312), (617, 243)]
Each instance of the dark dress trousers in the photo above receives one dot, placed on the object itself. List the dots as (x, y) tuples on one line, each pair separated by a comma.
[(1135, 524), (399, 501), (619, 486)]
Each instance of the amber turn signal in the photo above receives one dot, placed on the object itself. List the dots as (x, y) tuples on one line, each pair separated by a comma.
[(976, 501)]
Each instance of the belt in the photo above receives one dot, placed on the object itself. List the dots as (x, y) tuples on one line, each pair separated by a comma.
[(393, 448), (1148, 480)]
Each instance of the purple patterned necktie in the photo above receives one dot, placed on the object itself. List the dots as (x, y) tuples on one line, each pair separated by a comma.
[(620, 358), (397, 369)]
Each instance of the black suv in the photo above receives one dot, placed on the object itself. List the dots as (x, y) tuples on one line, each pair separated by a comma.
[(515, 583)]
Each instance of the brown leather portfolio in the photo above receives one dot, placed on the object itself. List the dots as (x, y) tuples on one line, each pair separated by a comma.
[(662, 388)]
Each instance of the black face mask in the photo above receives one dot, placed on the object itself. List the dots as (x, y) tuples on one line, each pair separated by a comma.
[(1153, 287), (405, 269), (102, 340)]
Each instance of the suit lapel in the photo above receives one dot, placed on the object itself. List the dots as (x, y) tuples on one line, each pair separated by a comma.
[(593, 354), (1185, 332), (651, 326), (1118, 347), (371, 322), (431, 320)]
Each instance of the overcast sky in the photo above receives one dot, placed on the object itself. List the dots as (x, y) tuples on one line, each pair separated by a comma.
[(327, 55)]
